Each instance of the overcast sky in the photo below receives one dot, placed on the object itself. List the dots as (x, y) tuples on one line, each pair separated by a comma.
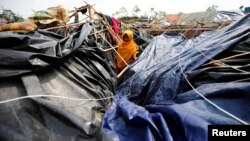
[(25, 7)]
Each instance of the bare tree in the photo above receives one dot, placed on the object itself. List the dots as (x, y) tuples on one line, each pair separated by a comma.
[(161, 14), (116, 13), (10, 16), (123, 12), (212, 8), (152, 9), (136, 10), (152, 13)]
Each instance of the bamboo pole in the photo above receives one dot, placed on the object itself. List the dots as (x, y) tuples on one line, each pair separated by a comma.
[(62, 26), (98, 31), (90, 13), (122, 72), (223, 59), (106, 50), (109, 28), (78, 10), (114, 49)]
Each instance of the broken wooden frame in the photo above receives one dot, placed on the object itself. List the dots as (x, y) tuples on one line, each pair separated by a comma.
[(90, 16)]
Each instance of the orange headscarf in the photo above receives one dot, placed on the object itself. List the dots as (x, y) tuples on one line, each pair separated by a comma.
[(127, 49)]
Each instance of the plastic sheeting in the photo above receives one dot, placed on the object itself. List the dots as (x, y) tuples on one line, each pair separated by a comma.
[(22, 53), (232, 65), (155, 102), (43, 63), (141, 37), (228, 16)]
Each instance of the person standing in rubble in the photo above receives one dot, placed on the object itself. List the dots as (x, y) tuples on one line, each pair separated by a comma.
[(127, 50)]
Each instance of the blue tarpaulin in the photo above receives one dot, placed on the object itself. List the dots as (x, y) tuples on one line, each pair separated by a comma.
[(228, 16), (155, 103), (247, 9)]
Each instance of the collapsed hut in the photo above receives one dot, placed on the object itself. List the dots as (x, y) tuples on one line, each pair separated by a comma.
[(58, 79)]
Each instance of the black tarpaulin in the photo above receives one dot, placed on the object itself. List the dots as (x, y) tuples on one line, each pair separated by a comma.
[(232, 65), (67, 73)]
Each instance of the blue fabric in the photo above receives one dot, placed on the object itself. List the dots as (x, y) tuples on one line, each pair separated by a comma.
[(154, 101), (247, 9), (233, 15)]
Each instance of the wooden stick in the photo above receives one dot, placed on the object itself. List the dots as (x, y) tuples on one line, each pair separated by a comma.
[(110, 31), (90, 14), (237, 55), (63, 26), (114, 49), (106, 50), (94, 33), (78, 10), (116, 37), (65, 31), (98, 31), (122, 72), (230, 57)]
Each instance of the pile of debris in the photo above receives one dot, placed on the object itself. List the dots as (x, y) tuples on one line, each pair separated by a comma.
[(58, 79), (179, 86), (198, 22)]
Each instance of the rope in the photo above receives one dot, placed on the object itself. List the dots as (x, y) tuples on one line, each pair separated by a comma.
[(210, 102), (53, 96), (201, 95), (113, 49)]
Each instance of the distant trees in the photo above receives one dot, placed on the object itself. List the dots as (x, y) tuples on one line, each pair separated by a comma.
[(212, 8), (161, 14), (123, 12), (157, 14), (152, 12), (116, 13), (136, 11), (18, 18), (10, 16)]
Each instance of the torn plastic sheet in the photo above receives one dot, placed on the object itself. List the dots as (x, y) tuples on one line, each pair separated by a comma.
[(232, 66), (23, 53), (155, 102), (43, 63)]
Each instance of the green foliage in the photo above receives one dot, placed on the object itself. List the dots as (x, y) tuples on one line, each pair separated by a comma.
[(18, 18), (10, 16), (136, 10), (212, 8)]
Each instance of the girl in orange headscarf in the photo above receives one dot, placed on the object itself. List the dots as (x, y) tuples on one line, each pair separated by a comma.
[(127, 49)]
